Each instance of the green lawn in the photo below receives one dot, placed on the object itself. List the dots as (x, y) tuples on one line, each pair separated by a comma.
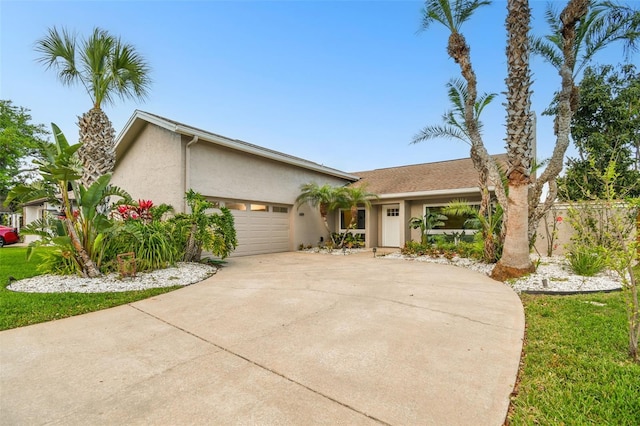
[(576, 370), (20, 309)]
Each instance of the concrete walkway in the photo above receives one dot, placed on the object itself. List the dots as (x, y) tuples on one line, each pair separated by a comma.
[(289, 339)]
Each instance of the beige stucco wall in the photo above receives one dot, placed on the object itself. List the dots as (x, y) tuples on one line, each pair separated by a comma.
[(223, 173), (153, 168)]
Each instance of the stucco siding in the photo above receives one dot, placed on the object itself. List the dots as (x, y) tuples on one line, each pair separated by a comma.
[(231, 174), (222, 173), (153, 168)]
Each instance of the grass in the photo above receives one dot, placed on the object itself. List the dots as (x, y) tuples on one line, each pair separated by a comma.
[(576, 370), (21, 309)]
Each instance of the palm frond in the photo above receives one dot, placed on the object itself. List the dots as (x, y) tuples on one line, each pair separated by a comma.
[(58, 51), (440, 131)]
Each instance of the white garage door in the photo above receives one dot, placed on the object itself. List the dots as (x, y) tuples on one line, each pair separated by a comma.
[(260, 228)]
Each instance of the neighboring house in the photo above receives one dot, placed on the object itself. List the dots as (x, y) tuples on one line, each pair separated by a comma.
[(406, 191), (36, 210), (160, 159)]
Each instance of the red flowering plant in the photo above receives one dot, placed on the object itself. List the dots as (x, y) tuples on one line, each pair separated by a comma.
[(142, 211), (551, 231)]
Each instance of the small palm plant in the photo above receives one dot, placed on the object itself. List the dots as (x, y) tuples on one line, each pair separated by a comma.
[(489, 222), (326, 197), (352, 197), (426, 223)]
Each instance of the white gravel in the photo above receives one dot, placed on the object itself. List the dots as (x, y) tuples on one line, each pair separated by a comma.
[(552, 275), (182, 274)]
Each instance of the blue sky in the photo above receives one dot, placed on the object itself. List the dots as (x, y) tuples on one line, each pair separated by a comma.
[(342, 83)]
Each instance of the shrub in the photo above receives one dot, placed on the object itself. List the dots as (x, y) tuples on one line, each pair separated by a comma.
[(414, 248), (586, 260)]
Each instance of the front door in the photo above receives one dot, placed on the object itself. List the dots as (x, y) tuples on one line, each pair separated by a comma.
[(391, 226)]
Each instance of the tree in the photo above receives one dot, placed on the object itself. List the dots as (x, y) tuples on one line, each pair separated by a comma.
[(605, 129), (452, 14), (325, 197), (214, 232), (84, 227), (577, 34), (20, 140), (351, 197), (454, 128), (515, 260), (107, 68)]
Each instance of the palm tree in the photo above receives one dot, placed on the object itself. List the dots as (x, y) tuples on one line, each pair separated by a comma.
[(83, 228), (107, 68), (452, 14), (352, 197), (326, 197), (577, 34), (515, 261), (454, 127)]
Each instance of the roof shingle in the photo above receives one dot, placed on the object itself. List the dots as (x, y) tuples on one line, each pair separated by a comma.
[(442, 175)]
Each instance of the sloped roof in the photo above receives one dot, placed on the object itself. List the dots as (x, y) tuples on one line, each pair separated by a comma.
[(140, 118), (441, 176)]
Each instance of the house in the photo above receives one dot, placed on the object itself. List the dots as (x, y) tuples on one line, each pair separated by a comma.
[(160, 159), (407, 191)]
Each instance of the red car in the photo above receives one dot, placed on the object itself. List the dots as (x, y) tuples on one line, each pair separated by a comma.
[(8, 235)]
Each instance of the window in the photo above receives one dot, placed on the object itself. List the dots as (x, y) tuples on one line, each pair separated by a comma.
[(393, 212), (345, 219), (236, 206), (453, 222), (259, 208), (278, 209)]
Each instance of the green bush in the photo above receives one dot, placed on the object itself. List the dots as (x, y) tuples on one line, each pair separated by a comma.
[(414, 248), (585, 260), (154, 244)]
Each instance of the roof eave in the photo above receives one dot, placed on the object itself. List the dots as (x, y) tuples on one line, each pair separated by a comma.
[(432, 193), (122, 143)]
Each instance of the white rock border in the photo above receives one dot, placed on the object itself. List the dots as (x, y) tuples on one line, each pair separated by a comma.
[(183, 274)]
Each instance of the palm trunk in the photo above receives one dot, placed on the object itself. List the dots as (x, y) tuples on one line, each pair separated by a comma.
[(97, 153), (482, 161), (89, 268), (567, 104), (192, 251), (515, 261)]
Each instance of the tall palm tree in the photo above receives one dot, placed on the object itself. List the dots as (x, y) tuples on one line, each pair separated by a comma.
[(452, 14), (515, 260), (107, 68), (577, 34), (325, 197), (454, 127)]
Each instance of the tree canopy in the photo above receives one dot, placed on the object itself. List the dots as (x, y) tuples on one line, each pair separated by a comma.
[(605, 129), (20, 141)]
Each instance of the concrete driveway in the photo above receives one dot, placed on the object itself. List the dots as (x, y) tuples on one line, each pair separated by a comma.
[(289, 339)]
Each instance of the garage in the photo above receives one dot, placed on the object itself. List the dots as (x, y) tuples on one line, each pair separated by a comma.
[(260, 228)]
